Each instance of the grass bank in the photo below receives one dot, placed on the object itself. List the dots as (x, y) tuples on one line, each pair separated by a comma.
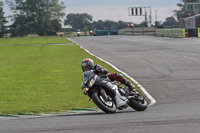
[(41, 78), (33, 40)]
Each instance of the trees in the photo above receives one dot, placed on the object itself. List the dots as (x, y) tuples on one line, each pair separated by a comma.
[(170, 21), (105, 25), (2, 20), (178, 12), (36, 16), (99, 24), (84, 21), (121, 25), (78, 21)]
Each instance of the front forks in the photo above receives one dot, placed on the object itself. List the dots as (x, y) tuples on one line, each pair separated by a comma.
[(103, 93)]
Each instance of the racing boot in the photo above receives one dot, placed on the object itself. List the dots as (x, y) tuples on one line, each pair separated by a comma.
[(131, 87)]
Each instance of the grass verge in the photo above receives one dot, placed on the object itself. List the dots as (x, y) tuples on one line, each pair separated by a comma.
[(33, 40)]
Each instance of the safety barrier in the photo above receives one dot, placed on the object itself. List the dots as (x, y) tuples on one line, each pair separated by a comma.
[(140, 31), (121, 32), (176, 32)]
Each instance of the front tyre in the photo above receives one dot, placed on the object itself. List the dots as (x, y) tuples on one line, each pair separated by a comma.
[(107, 106)]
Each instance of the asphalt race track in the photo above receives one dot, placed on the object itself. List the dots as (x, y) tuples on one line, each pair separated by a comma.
[(168, 68)]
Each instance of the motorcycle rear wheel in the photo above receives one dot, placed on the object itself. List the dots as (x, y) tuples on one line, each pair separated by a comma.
[(106, 106), (138, 105)]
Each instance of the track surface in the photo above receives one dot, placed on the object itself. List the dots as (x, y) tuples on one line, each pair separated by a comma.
[(169, 69)]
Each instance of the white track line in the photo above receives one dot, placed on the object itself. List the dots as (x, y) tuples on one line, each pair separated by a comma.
[(192, 58), (152, 101)]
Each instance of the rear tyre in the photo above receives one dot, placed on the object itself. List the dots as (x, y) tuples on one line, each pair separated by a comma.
[(138, 104), (107, 106)]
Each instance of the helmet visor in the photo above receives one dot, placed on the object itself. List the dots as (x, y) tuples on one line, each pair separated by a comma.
[(86, 68)]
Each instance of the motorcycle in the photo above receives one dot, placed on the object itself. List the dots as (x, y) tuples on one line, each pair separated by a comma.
[(91, 32), (78, 33), (109, 96)]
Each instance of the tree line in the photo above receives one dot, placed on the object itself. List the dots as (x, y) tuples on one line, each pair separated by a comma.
[(84, 21), (44, 17), (2, 20)]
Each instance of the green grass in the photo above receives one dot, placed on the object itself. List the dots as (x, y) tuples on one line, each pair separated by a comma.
[(33, 40), (41, 78)]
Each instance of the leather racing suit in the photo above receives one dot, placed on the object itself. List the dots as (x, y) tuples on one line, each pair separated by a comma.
[(113, 76)]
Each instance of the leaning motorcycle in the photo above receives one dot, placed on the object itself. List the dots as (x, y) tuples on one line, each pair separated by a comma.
[(109, 96)]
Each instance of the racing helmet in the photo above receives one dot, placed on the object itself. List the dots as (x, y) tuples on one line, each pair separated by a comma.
[(87, 64)]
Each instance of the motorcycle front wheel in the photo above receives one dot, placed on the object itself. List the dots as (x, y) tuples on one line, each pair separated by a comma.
[(107, 106)]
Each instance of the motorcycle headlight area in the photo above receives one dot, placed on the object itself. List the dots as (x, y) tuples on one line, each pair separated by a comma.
[(91, 83), (85, 90)]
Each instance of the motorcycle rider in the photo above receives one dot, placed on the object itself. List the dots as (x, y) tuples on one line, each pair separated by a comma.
[(88, 64), (78, 32), (90, 32)]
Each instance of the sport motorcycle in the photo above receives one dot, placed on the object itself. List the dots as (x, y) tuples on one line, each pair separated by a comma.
[(109, 96)]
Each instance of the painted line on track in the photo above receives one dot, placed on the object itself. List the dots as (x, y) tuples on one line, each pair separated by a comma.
[(192, 58), (151, 100)]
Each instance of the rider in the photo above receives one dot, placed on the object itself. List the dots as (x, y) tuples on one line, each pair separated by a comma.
[(88, 64)]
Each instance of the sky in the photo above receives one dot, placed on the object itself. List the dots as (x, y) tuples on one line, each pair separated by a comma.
[(116, 10)]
